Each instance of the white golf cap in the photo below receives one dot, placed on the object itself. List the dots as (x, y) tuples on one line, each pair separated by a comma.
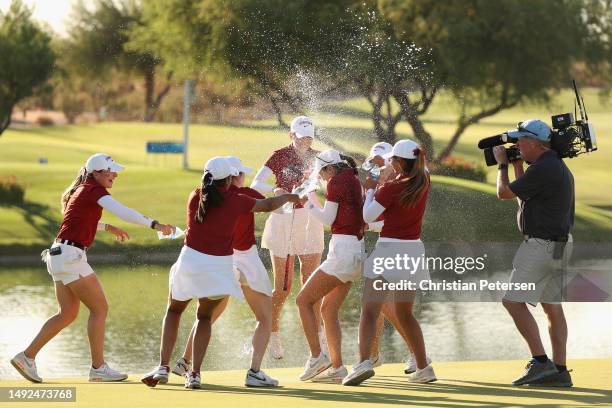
[(237, 164), (326, 158), (302, 126), (220, 168), (102, 161), (406, 149), (380, 149)]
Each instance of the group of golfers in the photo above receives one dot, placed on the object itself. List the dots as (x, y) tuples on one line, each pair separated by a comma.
[(220, 258)]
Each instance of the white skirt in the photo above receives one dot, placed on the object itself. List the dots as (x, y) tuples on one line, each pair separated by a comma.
[(68, 266), (296, 233), (344, 258), (196, 275), (251, 272)]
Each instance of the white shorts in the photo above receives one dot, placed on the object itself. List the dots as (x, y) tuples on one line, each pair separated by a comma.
[(68, 266), (344, 258), (390, 248), (306, 236), (196, 275), (251, 272)]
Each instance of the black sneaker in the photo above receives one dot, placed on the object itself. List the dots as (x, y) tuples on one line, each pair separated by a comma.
[(536, 371), (563, 379)]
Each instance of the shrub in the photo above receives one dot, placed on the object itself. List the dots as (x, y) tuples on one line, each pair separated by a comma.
[(45, 121), (11, 192), (461, 168)]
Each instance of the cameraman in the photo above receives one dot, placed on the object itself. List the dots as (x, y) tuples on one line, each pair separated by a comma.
[(545, 193)]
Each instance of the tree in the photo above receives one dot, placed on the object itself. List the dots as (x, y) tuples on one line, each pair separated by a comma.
[(99, 38), (491, 62), (27, 59)]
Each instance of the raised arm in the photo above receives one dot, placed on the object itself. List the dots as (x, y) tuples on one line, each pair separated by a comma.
[(132, 216), (326, 214), (272, 203), (371, 208), (260, 182)]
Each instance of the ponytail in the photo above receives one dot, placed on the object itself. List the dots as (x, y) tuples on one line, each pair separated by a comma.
[(417, 180), (210, 196), (350, 164), (80, 179)]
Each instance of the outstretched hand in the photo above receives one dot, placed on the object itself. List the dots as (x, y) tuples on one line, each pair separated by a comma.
[(165, 229), (120, 235)]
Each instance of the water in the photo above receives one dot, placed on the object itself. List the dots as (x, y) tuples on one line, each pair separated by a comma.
[(137, 298)]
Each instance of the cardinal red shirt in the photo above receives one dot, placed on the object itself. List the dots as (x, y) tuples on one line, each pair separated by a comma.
[(344, 188), (400, 222), (289, 168), (244, 233), (215, 234), (83, 213)]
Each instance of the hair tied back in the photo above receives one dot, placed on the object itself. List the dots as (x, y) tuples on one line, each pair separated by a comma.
[(207, 179)]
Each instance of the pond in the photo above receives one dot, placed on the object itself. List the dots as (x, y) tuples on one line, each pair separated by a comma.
[(137, 298)]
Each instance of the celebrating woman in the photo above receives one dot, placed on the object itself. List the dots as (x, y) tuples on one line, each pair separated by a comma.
[(204, 268), (75, 280), (332, 281), (255, 284), (286, 235), (401, 204)]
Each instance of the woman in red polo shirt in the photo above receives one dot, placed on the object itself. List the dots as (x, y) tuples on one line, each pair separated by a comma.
[(287, 235), (255, 284), (332, 281), (401, 204), (75, 281), (204, 269)]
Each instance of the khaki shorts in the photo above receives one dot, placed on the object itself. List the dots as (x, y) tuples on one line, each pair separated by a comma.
[(534, 264)]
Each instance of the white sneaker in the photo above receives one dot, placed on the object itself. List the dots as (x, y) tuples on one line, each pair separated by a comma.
[(182, 367), (259, 379), (360, 373), (377, 361), (323, 343), (425, 375), (335, 375), (411, 364), (315, 366), (193, 381), (105, 374), (159, 375), (26, 367), (276, 348)]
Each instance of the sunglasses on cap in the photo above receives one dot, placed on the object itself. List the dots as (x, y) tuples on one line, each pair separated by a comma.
[(520, 128)]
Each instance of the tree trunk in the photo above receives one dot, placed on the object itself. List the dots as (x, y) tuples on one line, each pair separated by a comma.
[(464, 123), (411, 113), (5, 120), (155, 104), (149, 91)]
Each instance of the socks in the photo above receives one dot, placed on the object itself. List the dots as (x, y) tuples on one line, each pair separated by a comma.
[(561, 368), (541, 359)]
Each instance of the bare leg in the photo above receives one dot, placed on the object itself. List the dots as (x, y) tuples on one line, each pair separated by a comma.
[(371, 306), (189, 345), (318, 286), (308, 264), (403, 312), (201, 337), (526, 325), (68, 311), (279, 294), (170, 328), (380, 325), (557, 329), (261, 305), (389, 311), (90, 292), (329, 312)]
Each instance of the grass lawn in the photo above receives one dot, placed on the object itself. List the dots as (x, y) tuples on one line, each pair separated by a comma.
[(460, 384), (156, 186)]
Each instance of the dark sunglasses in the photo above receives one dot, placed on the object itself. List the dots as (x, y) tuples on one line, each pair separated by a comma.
[(520, 128)]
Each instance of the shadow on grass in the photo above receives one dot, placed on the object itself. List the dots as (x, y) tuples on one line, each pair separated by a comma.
[(443, 394), (41, 218)]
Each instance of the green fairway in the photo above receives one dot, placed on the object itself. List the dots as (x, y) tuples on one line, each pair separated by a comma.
[(460, 384), (156, 186)]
